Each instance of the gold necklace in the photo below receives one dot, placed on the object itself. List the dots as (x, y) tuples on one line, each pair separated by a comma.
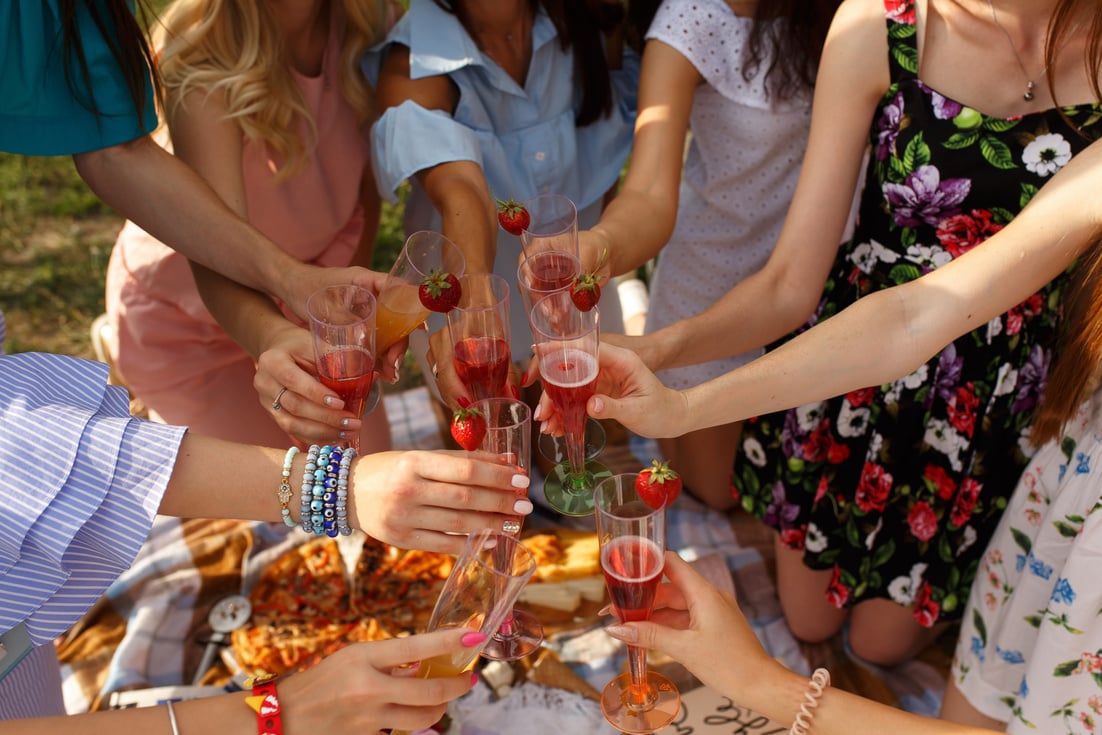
[(1029, 84)]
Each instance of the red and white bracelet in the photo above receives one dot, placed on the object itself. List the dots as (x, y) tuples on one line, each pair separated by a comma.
[(265, 702)]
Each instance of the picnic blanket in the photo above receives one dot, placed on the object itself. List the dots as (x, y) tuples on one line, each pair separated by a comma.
[(150, 628)]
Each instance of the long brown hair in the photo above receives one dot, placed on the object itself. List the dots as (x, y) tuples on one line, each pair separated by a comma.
[(125, 36), (1075, 372), (790, 34)]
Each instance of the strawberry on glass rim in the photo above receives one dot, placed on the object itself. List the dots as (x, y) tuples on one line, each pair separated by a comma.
[(512, 216), (468, 427), (658, 485), (585, 292), (440, 291)]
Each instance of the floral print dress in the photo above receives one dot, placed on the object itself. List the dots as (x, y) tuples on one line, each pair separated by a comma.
[(1030, 648), (898, 487)]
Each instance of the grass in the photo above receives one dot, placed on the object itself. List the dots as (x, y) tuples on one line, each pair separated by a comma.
[(55, 242)]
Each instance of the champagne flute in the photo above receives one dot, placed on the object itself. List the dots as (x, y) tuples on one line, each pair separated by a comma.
[(566, 346), (553, 225), (478, 594), (541, 274), (479, 331), (632, 538), (400, 307), (342, 323), (509, 436)]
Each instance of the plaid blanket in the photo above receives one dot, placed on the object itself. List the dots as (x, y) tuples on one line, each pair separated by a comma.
[(151, 627)]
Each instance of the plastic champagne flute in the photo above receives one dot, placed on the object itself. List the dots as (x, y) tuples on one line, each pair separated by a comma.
[(632, 538), (553, 225), (509, 436), (479, 330), (480, 592), (400, 309), (566, 344), (342, 324)]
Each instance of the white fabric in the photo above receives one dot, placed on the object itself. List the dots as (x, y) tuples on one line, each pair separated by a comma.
[(1030, 646), (739, 175)]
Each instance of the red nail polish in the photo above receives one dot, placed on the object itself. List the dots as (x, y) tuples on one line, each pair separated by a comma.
[(463, 402), (474, 678)]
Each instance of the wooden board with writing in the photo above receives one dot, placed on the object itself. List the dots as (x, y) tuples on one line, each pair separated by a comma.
[(706, 712)]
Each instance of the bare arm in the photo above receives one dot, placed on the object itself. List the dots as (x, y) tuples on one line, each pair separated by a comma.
[(698, 625), (165, 197), (638, 222), (457, 189), (853, 75), (884, 335)]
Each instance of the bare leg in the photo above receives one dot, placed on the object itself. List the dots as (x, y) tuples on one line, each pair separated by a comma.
[(801, 590), (886, 634), (955, 708), (704, 459)]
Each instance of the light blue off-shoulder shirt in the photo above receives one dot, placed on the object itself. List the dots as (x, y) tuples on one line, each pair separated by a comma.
[(524, 138)]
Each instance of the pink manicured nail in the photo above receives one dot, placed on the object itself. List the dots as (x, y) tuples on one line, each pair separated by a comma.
[(332, 401), (523, 507), (520, 481), (474, 678), (472, 639), (606, 610), (537, 413), (623, 632)]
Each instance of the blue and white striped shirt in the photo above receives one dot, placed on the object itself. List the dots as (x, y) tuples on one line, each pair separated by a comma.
[(80, 483)]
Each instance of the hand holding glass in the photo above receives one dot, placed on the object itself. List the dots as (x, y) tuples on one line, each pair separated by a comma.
[(632, 537), (480, 592), (342, 323)]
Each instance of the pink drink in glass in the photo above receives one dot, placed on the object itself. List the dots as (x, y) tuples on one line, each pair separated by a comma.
[(483, 365), (551, 270), (570, 378), (348, 372), (633, 568)]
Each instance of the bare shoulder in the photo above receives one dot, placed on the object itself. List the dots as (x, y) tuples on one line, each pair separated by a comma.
[(855, 55), (395, 85)]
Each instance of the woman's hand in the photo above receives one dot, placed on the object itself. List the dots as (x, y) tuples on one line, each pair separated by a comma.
[(627, 392), (431, 499), (702, 628), (367, 687), (309, 278), (308, 410)]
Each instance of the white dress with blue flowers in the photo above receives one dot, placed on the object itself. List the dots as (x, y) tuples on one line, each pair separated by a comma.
[(1030, 649)]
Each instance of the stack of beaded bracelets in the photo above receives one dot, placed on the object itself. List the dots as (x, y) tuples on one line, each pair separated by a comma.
[(324, 506)]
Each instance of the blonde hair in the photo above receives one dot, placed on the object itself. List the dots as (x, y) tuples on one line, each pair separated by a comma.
[(234, 47)]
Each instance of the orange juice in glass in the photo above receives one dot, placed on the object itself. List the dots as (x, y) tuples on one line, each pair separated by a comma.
[(399, 309)]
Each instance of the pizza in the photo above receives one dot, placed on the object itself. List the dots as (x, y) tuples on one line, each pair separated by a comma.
[(306, 606)]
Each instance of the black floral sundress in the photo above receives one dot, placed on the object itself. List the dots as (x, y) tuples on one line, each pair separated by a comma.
[(898, 488)]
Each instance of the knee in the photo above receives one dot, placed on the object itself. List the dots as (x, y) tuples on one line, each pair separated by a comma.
[(810, 628), (881, 651)]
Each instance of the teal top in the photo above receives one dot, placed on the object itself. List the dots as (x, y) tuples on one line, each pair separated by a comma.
[(40, 114)]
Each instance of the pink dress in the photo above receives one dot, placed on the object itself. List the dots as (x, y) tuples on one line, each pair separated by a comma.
[(171, 352)]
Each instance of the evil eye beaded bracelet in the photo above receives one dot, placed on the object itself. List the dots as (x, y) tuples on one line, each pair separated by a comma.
[(324, 503)]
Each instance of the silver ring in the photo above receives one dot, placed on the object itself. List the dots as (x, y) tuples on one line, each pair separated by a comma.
[(276, 405)]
